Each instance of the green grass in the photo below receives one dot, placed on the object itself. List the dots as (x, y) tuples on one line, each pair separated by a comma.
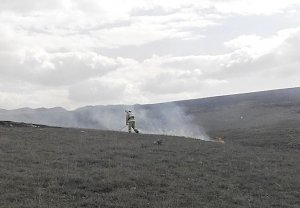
[(56, 167)]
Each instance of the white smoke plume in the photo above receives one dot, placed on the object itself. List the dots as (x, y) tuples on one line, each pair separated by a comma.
[(167, 119)]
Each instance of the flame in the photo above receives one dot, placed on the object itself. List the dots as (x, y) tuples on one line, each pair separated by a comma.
[(219, 140)]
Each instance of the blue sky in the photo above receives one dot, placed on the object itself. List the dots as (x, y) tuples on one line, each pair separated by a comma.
[(72, 53)]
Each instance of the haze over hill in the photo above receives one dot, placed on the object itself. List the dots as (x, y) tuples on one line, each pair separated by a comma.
[(191, 118)]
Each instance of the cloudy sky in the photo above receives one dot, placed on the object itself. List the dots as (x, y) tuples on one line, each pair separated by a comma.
[(72, 53)]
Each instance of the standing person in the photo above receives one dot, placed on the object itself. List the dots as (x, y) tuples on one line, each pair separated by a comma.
[(130, 121)]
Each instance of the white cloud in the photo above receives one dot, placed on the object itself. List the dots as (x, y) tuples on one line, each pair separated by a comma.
[(72, 25), (30, 5), (35, 99), (95, 91), (226, 73), (255, 7), (75, 25), (258, 46), (41, 67), (53, 52), (215, 82)]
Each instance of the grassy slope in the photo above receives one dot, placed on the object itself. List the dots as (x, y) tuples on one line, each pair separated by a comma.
[(48, 167)]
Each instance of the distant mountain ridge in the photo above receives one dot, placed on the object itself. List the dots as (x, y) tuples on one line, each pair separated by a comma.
[(213, 113)]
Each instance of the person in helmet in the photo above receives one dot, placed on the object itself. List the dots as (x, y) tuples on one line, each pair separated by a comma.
[(130, 121)]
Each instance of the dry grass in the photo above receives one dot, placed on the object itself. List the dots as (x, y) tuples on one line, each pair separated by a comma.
[(56, 167)]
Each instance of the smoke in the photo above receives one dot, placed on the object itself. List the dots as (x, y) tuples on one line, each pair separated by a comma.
[(167, 119), (102, 117)]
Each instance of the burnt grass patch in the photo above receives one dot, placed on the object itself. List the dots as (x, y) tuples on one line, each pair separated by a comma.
[(57, 167)]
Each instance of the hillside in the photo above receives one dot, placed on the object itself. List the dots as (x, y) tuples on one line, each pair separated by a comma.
[(216, 113), (58, 167), (246, 110)]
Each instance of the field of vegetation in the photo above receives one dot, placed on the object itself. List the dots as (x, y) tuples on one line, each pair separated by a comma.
[(58, 167)]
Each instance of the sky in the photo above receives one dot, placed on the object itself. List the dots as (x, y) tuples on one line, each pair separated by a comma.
[(73, 53)]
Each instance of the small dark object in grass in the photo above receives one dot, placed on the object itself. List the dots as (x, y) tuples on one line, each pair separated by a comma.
[(158, 142)]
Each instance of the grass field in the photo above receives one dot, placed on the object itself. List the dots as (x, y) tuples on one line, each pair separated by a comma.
[(57, 167)]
